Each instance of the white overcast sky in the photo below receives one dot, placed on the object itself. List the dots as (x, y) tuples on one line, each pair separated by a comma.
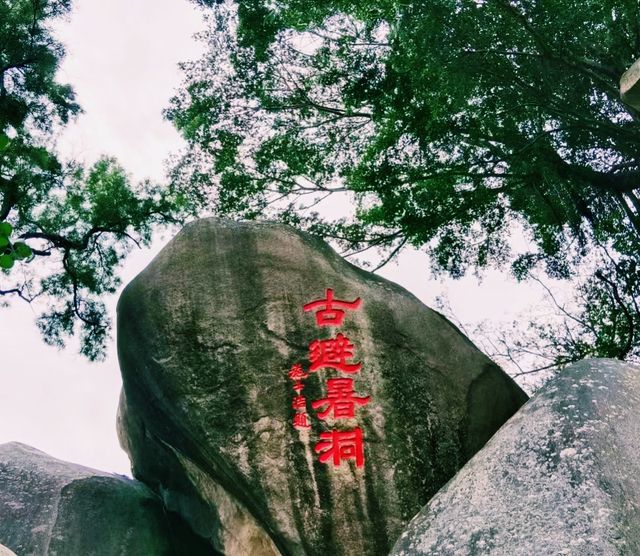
[(122, 60)]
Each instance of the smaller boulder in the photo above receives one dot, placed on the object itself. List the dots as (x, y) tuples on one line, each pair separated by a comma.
[(630, 85), (562, 476), (50, 507)]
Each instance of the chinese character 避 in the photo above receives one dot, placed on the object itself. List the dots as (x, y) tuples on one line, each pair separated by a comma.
[(332, 353), (340, 399), (341, 445), (330, 314)]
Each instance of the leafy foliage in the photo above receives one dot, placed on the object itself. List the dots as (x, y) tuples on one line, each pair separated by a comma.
[(607, 320), (445, 122), (63, 229), (11, 252)]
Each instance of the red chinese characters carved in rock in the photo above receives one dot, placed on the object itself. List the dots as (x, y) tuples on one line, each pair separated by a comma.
[(299, 403), (297, 372), (334, 446), (337, 446), (301, 421), (331, 311), (332, 353), (341, 399)]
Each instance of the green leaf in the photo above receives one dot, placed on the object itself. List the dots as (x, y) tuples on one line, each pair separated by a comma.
[(4, 141), (3, 242), (5, 229), (6, 261), (22, 250)]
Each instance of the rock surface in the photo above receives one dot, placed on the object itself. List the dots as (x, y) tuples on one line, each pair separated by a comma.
[(206, 336), (4, 551), (561, 477), (50, 507), (630, 85)]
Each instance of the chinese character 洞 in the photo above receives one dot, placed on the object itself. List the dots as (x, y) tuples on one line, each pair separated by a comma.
[(300, 421), (340, 399), (331, 311), (332, 353), (341, 445), (297, 373)]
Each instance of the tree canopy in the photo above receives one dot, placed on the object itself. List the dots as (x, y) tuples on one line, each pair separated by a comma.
[(63, 228), (447, 125)]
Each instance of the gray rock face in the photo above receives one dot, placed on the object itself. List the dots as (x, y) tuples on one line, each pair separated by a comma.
[(630, 85), (49, 507), (561, 477), (4, 551), (207, 334)]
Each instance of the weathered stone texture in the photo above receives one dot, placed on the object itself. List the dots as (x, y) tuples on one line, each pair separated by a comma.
[(4, 551), (50, 507), (630, 85), (206, 335), (561, 477)]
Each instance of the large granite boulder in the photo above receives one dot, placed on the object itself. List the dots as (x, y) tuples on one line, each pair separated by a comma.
[(561, 477), (207, 336), (50, 507)]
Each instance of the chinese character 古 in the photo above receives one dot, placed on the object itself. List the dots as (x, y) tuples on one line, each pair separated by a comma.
[(340, 399), (331, 310), (332, 353), (341, 445)]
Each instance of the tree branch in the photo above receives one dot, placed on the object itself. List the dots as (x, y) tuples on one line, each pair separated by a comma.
[(616, 295)]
